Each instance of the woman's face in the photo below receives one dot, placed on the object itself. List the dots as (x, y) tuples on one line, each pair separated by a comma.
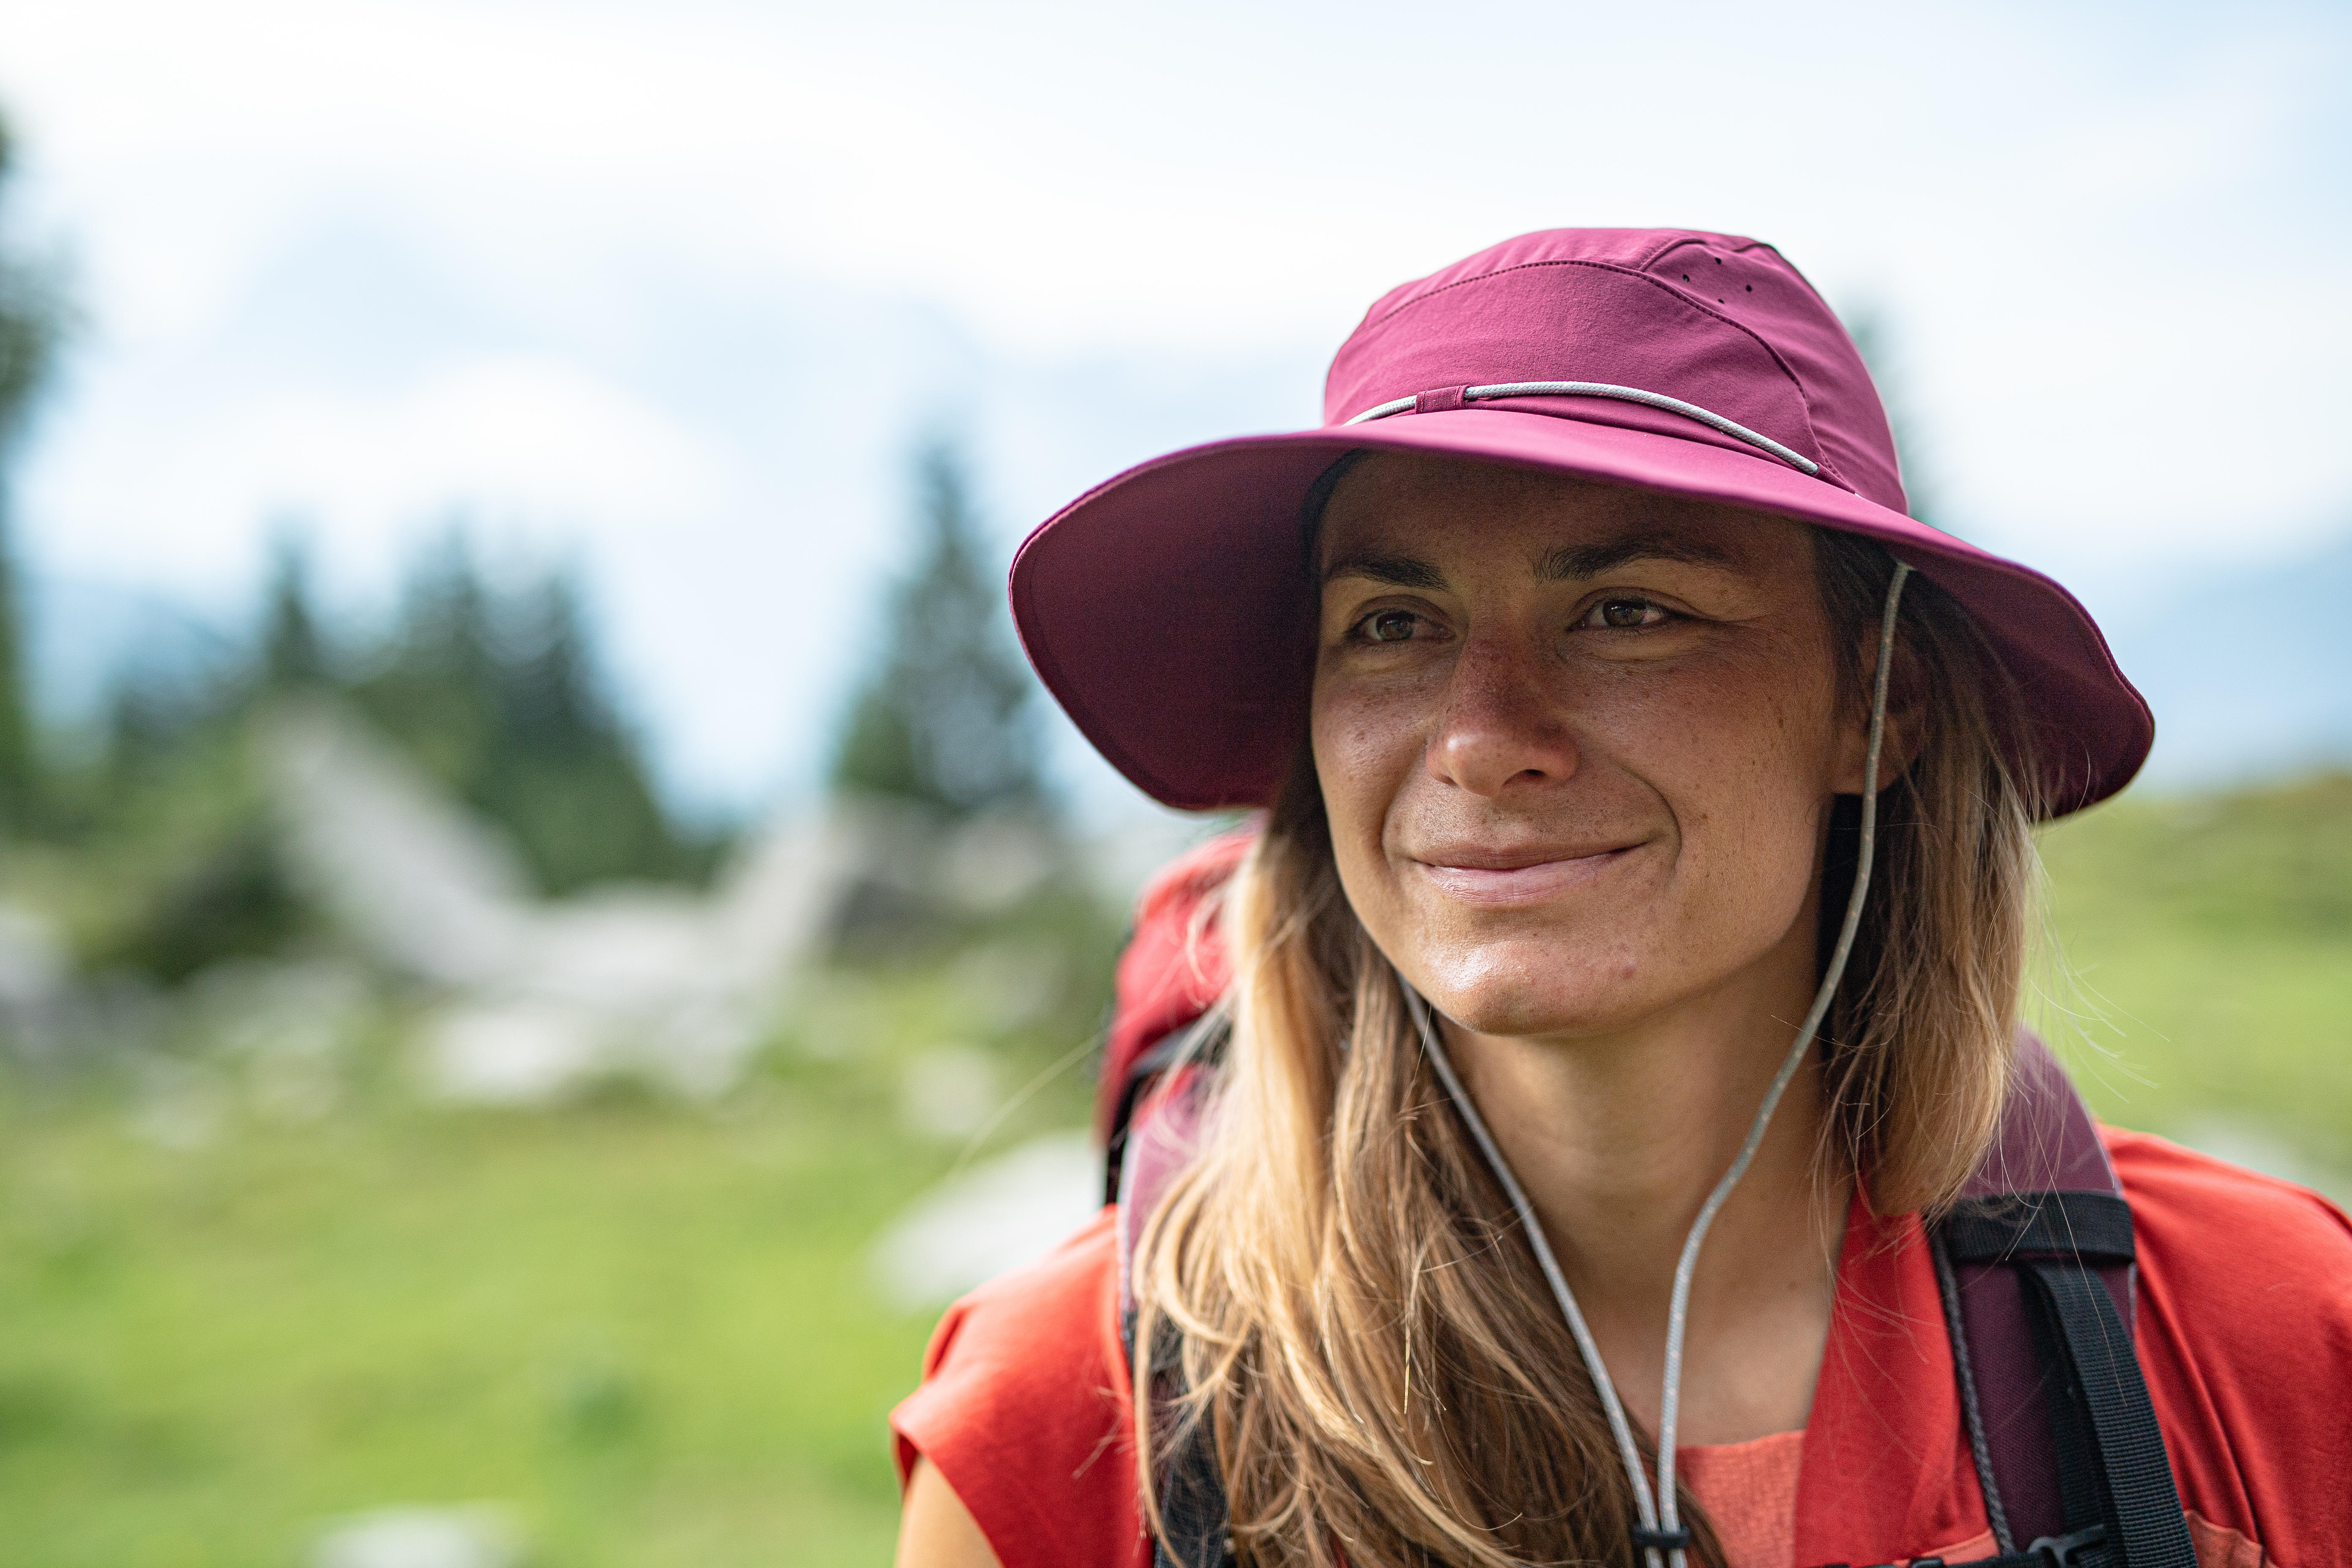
[(1577, 745)]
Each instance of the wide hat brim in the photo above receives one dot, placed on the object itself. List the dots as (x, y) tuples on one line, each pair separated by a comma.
[(1170, 610)]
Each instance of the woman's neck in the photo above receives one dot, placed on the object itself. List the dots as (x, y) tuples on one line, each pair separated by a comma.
[(1619, 1137)]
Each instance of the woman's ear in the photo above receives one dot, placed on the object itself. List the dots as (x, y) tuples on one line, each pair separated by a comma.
[(1907, 721)]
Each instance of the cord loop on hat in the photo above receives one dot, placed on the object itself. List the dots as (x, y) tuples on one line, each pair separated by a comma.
[(1602, 389)]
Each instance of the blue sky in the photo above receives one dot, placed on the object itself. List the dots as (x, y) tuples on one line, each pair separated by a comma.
[(670, 291)]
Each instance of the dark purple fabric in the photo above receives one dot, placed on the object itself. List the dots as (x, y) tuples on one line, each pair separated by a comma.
[(2047, 1143), (1167, 609)]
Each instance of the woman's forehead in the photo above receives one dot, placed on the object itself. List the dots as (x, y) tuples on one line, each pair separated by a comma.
[(1395, 506)]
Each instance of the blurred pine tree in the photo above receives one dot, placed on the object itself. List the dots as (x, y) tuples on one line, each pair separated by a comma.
[(566, 773), (500, 697), (945, 722), (293, 651), (433, 684), (32, 320)]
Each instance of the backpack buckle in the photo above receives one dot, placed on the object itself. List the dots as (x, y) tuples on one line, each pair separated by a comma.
[(2068, 1551)]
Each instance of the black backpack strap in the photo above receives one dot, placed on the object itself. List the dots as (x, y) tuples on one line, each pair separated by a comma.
[(2119, 1507), (1192, 1504)]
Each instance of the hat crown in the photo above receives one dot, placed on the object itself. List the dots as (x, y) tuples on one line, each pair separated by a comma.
[(1714, 320)]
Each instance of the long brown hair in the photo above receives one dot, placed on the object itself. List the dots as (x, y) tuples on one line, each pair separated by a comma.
[(1383, 1372)]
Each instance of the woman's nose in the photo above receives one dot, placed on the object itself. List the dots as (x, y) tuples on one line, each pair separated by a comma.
[(1504, 724)]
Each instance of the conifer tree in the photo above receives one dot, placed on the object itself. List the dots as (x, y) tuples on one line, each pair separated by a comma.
[(293, 651), (566, 771), (945, 720), (501, 697), (435, 687), (32, 316)]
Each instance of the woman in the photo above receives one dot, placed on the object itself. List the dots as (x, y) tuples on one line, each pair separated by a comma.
[(1624, 975)]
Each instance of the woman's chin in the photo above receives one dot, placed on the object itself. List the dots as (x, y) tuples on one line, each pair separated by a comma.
[(1506, 993)]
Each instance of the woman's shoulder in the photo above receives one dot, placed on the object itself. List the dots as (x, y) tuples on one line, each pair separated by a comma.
[(2266, 1246), (1024, 1408), (2245, 1332)]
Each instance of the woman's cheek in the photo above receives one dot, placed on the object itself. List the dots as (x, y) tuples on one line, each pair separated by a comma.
[(1360, 741), (1364, 763)]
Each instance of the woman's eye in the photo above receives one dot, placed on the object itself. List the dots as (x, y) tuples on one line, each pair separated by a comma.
[(1390, 626), (1625, 613)]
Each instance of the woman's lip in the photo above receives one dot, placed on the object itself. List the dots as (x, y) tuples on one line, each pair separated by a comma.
[(1526, 884)]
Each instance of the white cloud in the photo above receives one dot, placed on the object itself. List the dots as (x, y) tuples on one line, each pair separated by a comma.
[(517, 436)]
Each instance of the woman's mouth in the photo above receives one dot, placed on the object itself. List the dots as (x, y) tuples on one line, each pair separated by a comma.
[(1505, 880)]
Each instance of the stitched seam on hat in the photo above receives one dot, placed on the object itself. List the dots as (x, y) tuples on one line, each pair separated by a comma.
[(1804, 402), (1773, 250), (1682, 239)]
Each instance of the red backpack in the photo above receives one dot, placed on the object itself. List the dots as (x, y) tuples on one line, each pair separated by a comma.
[(2035, 1263)]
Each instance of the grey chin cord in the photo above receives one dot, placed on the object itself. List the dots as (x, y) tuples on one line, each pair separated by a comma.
[(1657, 1508)]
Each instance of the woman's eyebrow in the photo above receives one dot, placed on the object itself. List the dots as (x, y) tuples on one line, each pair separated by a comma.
[(1396, 570), (1570, 562)]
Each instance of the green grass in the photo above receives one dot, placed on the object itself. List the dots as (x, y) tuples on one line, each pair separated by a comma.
[(2208, 964), (647, 1330), (650, 1334)]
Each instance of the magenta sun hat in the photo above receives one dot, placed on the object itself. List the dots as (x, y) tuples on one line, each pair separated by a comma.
[(1171, 613)]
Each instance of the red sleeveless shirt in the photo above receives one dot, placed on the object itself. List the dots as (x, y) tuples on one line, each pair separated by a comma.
[(2244, 1330)]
